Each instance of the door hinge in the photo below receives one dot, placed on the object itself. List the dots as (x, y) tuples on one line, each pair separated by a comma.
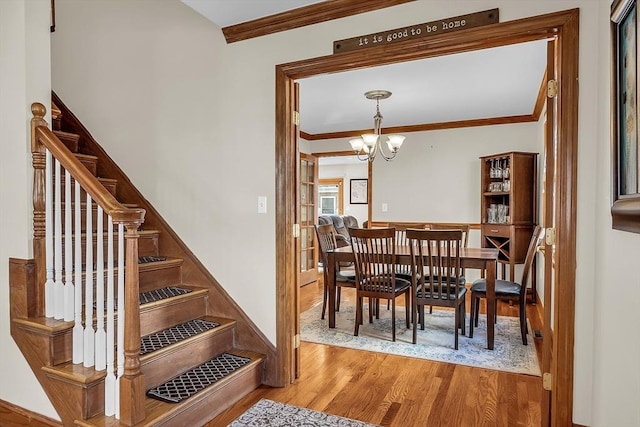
[(550, 236), (296, 118), (296, 230), (296, 341), (552, 88), (547, 381)]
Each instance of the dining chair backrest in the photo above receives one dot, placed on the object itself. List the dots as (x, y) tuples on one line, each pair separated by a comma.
[(536, 239), (436, 252), (326, 235), (375, 258), (401, 230), (462, 226)]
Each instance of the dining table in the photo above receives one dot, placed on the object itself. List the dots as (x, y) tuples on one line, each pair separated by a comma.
[(484, 259)]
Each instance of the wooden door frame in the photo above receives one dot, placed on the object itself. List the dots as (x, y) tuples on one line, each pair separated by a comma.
[(564, 26), (338, 182)]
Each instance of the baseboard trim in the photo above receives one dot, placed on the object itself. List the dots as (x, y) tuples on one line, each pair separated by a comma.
[(11, 414)]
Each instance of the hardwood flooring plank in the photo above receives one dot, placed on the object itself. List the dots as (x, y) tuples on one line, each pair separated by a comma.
[(397, 391)]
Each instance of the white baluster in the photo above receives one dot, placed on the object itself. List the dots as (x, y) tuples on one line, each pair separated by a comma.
[(89, 332), (68, 251), (101, 335), (49, 300), (78, 330), (110, 380), (120, 315), (58, 286)]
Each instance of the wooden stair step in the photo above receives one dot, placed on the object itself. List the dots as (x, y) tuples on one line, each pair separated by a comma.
[(147, 243), (79, 383), (94, 217), (89, 161), (158, 274), (56, 117), (109, 184), (201, 407), (159, 315), (164, 363), (70, 140), (55, 336)]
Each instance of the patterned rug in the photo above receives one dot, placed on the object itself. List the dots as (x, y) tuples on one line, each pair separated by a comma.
[(434, 343), (275, 414)]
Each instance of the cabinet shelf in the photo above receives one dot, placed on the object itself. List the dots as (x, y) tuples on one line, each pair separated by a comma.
[(510, 229)]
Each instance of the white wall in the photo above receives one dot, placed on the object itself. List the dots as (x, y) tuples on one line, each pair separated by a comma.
[(347, 172), (184, 115), (616, 296), (25, 71), (436, 175)]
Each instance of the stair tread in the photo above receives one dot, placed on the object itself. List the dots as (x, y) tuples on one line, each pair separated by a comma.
[(50, 326), (157, 410), (66, 134), (199, 378), (75, 372), (178, 335)]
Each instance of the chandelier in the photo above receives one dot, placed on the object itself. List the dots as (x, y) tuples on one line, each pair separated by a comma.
[(368, 145)]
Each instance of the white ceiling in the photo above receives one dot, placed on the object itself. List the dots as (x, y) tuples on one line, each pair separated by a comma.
[(224, 13), (496, 82)]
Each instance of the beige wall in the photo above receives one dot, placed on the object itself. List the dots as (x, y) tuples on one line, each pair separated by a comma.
[(184, 115), (24, 78)]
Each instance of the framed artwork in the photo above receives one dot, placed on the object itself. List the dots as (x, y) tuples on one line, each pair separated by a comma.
[(359, 193), (625, 154)]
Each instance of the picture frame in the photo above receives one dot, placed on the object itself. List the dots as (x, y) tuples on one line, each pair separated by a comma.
[(358, 194), (625, 151)]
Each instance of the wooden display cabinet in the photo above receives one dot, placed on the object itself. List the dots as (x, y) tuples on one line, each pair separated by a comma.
[(509, 206)]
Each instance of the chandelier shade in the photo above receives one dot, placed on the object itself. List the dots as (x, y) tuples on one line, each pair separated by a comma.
[(368, 145)]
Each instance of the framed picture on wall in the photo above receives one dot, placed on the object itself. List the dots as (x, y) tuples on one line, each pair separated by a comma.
[(625, 153), (359, 193)]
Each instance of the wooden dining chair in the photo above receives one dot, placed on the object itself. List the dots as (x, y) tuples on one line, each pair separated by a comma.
[(507, 290), (375, 262), (326, 235), (438, 253)]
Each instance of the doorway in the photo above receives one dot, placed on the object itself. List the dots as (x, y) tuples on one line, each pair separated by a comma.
[(561, 25)]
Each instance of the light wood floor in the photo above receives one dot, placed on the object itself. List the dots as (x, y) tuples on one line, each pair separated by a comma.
[(398, 391)]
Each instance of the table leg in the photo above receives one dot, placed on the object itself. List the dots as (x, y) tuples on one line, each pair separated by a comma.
[(491, 303), (331, 287)]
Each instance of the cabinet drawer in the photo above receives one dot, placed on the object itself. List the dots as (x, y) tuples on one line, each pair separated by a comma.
[(496, 230)]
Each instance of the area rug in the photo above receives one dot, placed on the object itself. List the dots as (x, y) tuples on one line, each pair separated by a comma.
[(434, 343), (275, 414)]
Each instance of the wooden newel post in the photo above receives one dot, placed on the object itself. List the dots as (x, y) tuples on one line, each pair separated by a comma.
[(38, 153), (132, 386)]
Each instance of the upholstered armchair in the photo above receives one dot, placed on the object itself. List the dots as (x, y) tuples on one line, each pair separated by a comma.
[(341, 223)]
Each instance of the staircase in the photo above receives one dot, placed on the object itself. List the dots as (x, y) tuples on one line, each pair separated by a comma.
[(199, 352)]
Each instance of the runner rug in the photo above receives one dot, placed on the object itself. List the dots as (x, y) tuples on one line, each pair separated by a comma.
[(267, 413), (434, 343)]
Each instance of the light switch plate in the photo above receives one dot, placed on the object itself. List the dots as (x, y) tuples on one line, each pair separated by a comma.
[(262, 204)]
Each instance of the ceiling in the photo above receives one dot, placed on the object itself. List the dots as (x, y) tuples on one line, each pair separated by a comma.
[(497, 82)]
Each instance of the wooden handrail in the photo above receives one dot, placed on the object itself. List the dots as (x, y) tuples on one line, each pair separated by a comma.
[(80, 173)]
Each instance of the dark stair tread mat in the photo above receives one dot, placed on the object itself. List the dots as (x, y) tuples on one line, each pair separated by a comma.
[(162, 293), (154, 295), (150, 258), (174, 334), (197, 379)]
